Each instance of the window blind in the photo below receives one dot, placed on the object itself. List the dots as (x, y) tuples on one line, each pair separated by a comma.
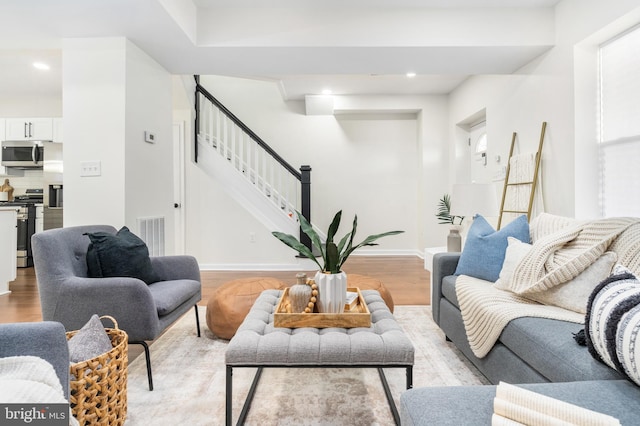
[(619, 138)]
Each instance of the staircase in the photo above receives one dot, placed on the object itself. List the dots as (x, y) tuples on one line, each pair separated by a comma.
[(248, 169)]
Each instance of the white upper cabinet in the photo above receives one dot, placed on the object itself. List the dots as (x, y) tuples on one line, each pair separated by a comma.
[(57, 130), (24, 129)]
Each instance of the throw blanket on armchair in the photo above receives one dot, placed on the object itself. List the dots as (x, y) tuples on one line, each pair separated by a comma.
[(555, 257), (29, 379)]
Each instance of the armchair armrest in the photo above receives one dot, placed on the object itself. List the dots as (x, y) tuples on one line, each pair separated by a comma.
[(444, 264), (79, 298), (46, 340), (176, 268)]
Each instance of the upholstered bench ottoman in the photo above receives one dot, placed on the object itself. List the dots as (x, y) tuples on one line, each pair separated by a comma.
[(231, 302), (257, 343)]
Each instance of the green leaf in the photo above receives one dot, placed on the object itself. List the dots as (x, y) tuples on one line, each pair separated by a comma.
[(292, 242), (444, 207), (332, 265), (333, 228), (345, 252), (313, 235)]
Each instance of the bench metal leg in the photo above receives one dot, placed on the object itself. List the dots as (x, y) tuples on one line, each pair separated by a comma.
[(387, 392), (248, 400), (228, 395), (256, 379)]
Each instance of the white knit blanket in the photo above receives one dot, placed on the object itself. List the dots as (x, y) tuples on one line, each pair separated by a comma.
[(486, 311), (514, 405), (562, 249), (30, 379), (561, 256)]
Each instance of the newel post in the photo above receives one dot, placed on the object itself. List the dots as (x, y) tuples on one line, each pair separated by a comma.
[(305, 198), (196, 125)]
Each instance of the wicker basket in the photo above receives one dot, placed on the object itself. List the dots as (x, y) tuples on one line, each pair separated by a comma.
[(98, 387)]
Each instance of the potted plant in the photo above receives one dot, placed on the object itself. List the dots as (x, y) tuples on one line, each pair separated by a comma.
[(331, 280), (454, 240)]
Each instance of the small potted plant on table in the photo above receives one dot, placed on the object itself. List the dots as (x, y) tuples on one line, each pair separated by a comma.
[(330, 279)]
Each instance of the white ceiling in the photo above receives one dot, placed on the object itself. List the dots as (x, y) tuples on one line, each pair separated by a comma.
[(349, 46)]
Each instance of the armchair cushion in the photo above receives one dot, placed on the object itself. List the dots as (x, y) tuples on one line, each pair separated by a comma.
[(121, 255), (168, 295)]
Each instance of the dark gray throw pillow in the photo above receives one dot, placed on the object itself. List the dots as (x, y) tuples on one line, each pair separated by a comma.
[(121, 255)]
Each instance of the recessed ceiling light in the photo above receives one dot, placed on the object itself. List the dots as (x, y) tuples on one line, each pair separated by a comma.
[(41, 66), (327, 91), (411, 74)]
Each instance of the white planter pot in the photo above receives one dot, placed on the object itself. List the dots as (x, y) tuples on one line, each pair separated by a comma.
[(332, 292)]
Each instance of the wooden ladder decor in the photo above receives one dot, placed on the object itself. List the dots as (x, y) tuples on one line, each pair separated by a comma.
[(533, 183)]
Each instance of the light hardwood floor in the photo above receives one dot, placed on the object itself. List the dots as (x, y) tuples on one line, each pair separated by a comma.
[(404, 277)]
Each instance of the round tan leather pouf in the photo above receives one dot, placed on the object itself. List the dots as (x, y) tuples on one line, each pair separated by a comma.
[(364, 282), (231, 302)]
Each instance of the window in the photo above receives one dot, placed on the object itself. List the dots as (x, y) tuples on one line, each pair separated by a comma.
[(481, 144), (619, 135)]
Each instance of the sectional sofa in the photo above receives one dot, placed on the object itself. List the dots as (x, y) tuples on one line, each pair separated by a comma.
[(539, 354)]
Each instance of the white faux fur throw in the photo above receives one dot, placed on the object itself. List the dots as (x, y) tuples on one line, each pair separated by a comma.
[(486, 311), (30, 379), (561, 256)]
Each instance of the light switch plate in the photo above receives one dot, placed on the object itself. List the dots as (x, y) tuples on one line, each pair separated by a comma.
[(90, 168)]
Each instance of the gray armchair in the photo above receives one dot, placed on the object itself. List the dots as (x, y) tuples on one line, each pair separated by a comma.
[(144, 311)]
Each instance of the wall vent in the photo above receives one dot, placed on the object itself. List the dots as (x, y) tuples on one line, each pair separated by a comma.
[(151, 231)]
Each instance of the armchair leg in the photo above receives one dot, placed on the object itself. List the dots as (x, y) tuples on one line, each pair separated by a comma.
[(147, 356), (197, 319)]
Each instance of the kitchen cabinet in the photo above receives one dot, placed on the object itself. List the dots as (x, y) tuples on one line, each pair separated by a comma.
[(25, 129), (57, 130), (8, 247), (40, 218)]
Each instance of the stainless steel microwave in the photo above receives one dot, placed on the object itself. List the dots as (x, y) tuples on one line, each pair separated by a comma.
[(23, 154)]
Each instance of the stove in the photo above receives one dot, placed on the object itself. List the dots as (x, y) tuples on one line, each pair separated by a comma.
[(26, 207)]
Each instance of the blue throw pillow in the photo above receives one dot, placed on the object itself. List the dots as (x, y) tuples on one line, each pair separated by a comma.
[(484, 250)]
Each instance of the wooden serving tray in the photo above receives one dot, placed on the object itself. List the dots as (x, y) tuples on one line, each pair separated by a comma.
[(359, 316)]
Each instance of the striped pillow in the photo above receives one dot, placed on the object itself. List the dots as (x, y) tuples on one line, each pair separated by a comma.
[(628, 344), (612, 322)]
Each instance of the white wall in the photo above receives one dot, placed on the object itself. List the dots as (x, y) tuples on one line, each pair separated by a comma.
[(149, 167), (30, 106), (367, 163), (112, 93), (94, 86), (544, 90)]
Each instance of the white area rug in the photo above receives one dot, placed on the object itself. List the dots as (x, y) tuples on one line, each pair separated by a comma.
[(189, 381)]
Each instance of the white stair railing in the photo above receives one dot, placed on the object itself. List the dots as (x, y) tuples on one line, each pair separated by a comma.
[(270, 175)]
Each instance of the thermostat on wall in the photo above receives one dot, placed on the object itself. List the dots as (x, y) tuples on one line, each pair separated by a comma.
[(149, 137)]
